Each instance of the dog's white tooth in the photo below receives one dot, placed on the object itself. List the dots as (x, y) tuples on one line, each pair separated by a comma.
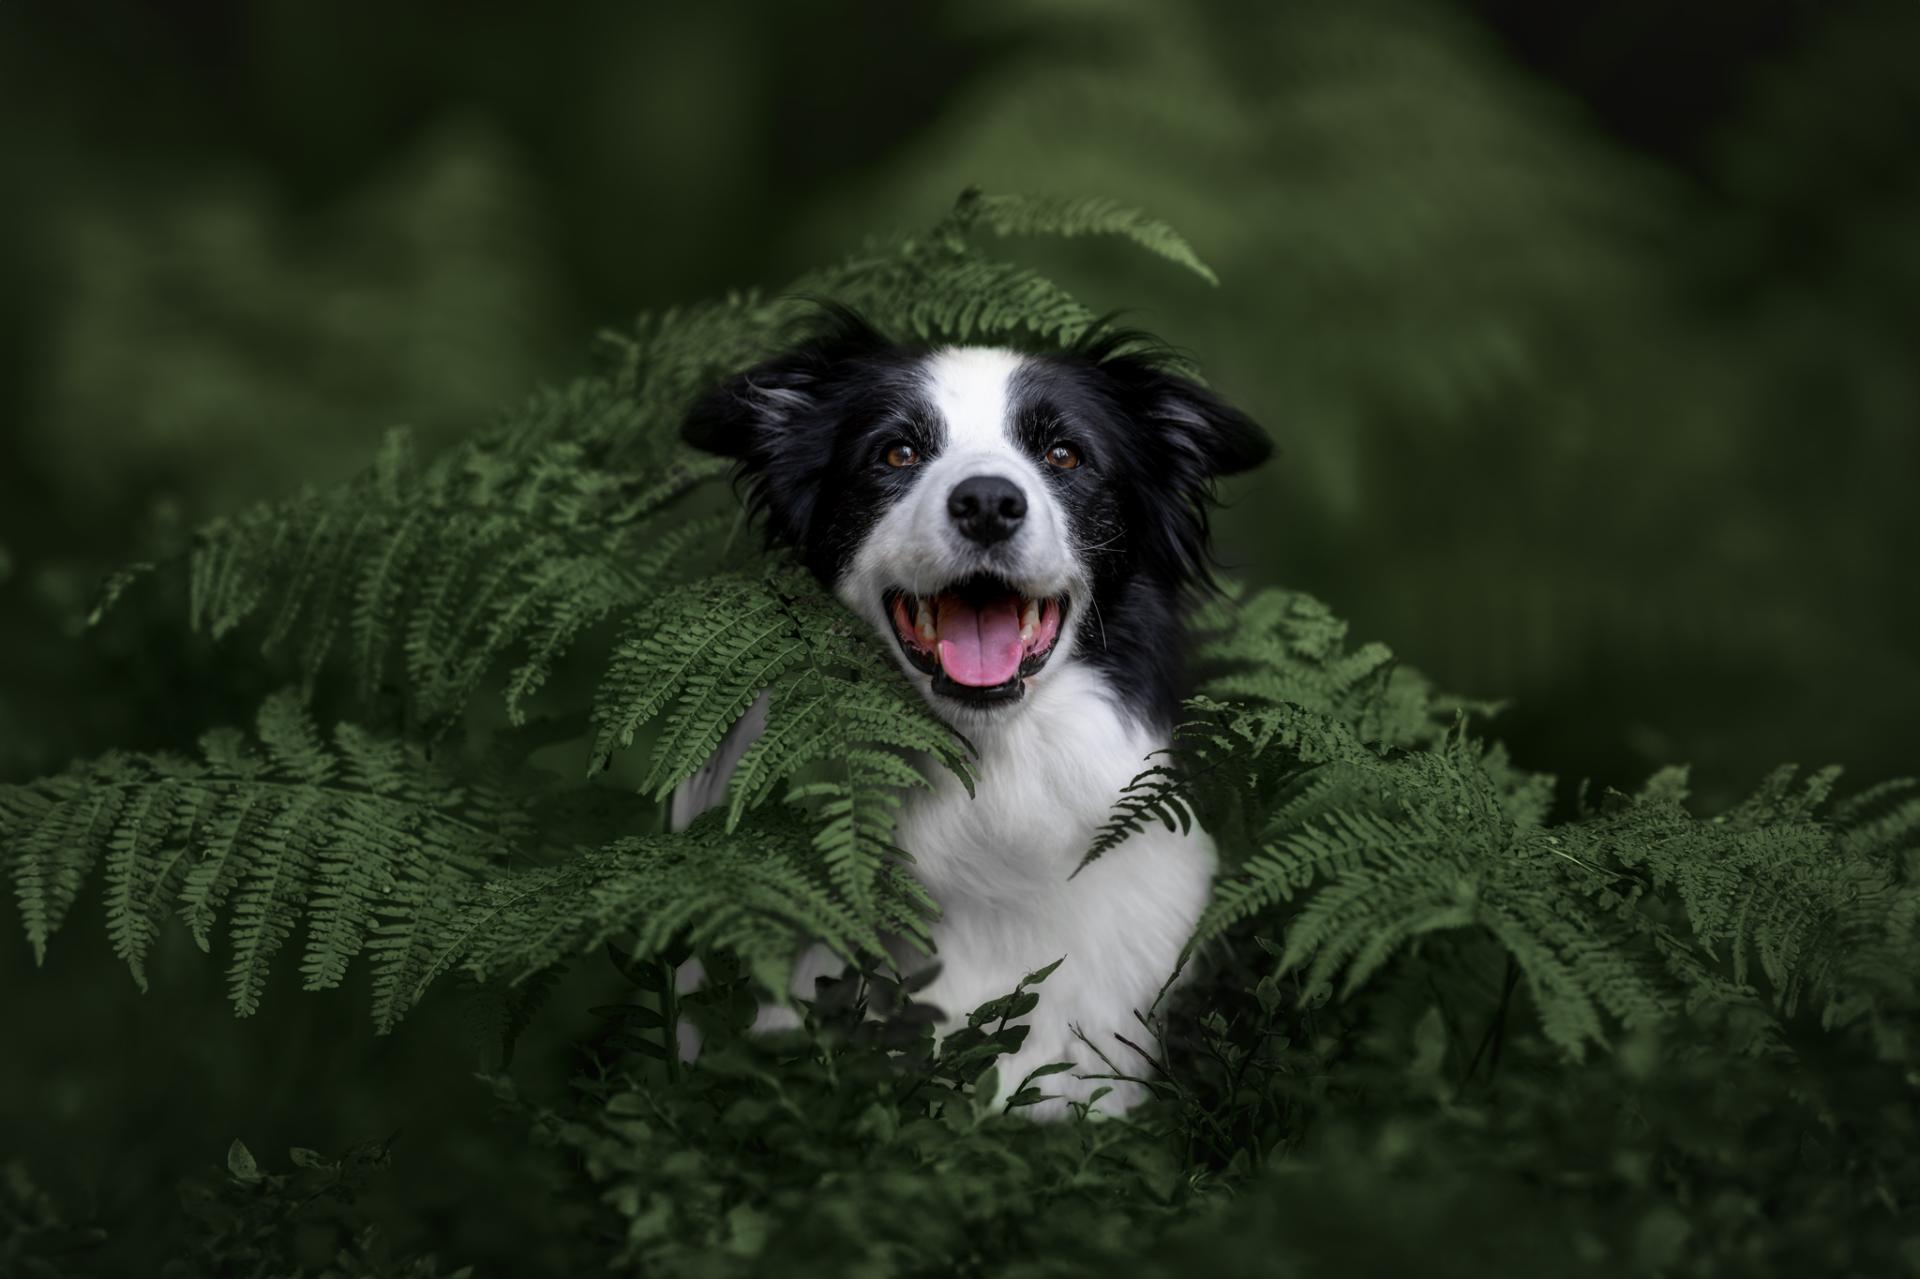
[(924, 623), (1029, 621)]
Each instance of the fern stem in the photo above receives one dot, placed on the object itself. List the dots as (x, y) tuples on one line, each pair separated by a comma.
[(1496, 1028)]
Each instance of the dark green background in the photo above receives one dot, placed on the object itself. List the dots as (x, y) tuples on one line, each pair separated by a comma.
[(1588, 338)]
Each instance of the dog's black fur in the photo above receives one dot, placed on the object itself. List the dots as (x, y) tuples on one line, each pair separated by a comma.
[(810, 429)]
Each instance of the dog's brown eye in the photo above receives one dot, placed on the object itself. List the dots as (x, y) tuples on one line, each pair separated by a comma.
[(902, 455), (1063, 456)]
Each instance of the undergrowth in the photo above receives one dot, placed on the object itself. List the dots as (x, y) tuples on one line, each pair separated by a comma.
[(1621, 1037)]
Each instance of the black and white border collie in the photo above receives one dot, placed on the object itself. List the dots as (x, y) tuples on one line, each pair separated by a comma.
[(1025, 533)]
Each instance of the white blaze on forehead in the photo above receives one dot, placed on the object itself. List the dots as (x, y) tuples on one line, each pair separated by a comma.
[(971, 390), (914, 545)]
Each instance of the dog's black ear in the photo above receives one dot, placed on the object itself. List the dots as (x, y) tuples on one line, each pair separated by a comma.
[(778, 419), (758, 407), (1187, 437), (1209, 436), (1194, 430), (1200, 437)]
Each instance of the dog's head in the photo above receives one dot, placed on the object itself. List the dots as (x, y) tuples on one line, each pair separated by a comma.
[(996, 515)]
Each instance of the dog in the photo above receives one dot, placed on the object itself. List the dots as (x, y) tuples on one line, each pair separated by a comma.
[(1025, 533)]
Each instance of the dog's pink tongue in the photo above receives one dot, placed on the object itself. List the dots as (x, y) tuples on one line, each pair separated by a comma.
[(980, 646)]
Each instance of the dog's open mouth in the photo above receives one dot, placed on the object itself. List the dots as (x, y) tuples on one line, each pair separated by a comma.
[(980, 639)]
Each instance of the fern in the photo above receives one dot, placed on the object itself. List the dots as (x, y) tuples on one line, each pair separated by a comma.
[(841, 723), (1382, 854), (1285, 647), (1353, 809), (1624, 918), (452, 565), (1283, 695), (935, 285), (1225, 758), (1821, 904), (365, 839), (754, 890), (1082, 215)]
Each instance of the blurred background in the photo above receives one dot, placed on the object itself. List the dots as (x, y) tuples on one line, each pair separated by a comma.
[(1589, 342)]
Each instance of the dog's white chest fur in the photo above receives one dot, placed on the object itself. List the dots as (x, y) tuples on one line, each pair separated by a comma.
[(1001, 865)]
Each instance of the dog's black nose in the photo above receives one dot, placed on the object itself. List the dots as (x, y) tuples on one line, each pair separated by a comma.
[(987, 508)]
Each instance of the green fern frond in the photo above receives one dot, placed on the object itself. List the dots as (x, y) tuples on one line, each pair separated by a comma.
[(1882, 823), (1071, 216), (842, 726), (451, 565), (1158, 795), (1284, 694), (1825, 915), (933, 285), (1287, 647), (1374, 853), (363, 838), (1229, 757), (938, 288), (1381, 852), (753, 889)]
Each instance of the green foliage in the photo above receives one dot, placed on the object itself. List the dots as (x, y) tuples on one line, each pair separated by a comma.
[(754, 892), (364, 838), (1351, 809), (1283, 696), (1084, 215), (516, 541), (882, 1151), (838, 712), (1410, 950)]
